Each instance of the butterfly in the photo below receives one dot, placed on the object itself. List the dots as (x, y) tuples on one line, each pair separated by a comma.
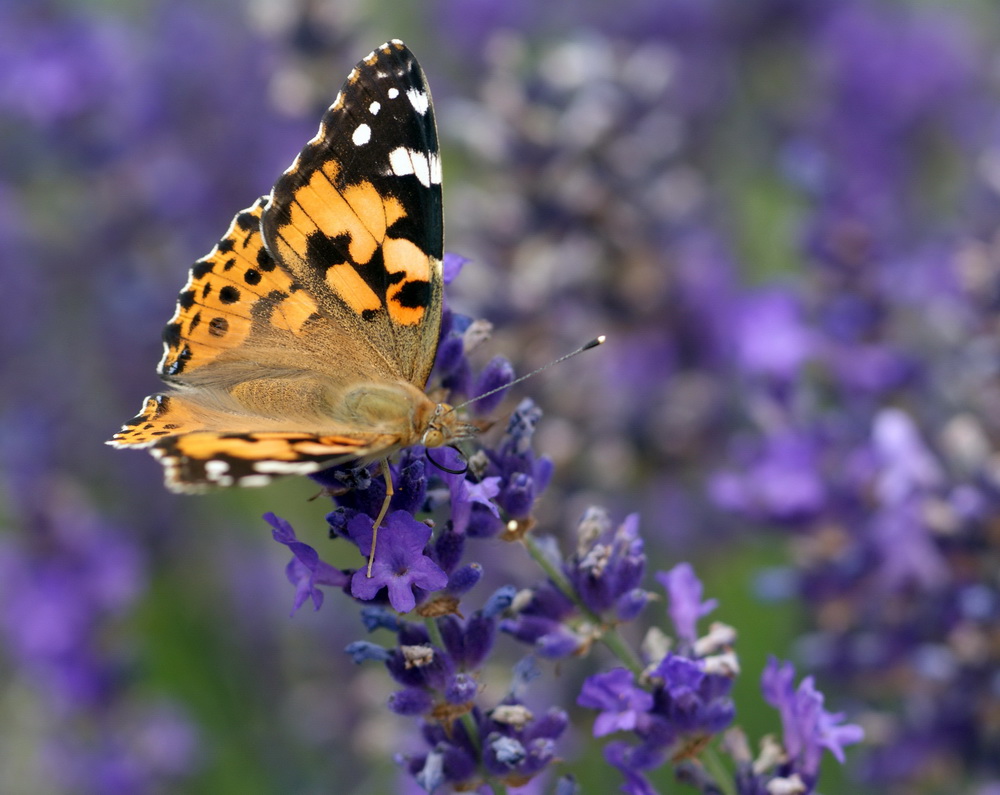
[(305, 338)]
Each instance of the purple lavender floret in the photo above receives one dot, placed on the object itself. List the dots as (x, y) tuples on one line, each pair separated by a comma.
[(305, 570), (691, 700), (361, 651), (449, 547), (440, 685), (630, 760), (686, 706), (453, 757), (454, 369), (523, 477), (623, 705), (417, 663), (411, 701), (497, 373), (465, 494), (359, 490), (608, 564), (464, 579), (421, 665), (684, 592), (683, 700), (401, 567), (452, 265), (541, 621), (807, 728), (469, 642), (400, 563), (517, 745)]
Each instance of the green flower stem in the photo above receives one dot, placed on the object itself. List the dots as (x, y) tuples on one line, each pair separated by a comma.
[(622, 651), (720, 773), (609, 635), (434, 632)]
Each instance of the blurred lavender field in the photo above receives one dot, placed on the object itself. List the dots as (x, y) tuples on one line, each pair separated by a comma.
[(784, 214)]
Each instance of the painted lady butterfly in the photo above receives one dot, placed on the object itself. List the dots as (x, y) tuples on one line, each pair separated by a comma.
[(306, 337)]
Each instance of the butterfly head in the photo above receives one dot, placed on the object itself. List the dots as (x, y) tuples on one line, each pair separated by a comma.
[(445, 426)]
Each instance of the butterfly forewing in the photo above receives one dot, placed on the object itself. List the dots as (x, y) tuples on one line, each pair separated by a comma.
[(357, 217), (233, 296)]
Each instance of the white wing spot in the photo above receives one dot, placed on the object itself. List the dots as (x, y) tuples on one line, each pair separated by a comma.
[(286, 467), (216, 469), (419, 100), (400, 162), (362, 135), (374, 108), (255, 480), (393, 93), (405, 161)]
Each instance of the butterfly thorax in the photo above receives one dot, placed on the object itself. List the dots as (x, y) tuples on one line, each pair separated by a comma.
[(397, 408), (400, 408)]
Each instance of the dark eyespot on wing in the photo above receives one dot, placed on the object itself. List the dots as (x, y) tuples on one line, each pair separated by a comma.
[(414, 295)]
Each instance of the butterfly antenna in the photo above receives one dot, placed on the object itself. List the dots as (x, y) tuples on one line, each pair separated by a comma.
[(592, 344)]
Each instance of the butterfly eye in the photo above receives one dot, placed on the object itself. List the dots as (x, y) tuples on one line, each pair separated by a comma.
[(433, 437)]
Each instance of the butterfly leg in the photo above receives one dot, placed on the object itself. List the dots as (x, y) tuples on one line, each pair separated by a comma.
[(381, 514)]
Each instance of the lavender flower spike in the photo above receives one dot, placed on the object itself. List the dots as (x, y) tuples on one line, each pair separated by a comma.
[(807, 727), (685, 590)]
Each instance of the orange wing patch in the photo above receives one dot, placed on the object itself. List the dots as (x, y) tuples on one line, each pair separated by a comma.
[(160, 416), (265, 445), (340, 230), (237, 285), (404, 258)]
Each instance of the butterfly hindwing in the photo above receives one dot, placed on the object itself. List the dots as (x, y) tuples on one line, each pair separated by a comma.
[(200, 446), (357, 217), (197, 461)]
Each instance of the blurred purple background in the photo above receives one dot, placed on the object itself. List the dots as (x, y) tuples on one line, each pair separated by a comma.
[(782, 213)]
